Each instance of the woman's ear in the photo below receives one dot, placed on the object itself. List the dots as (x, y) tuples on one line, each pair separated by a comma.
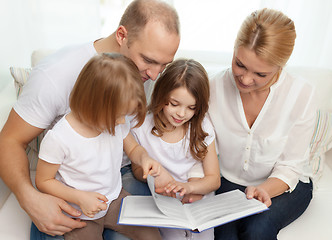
[(121, 35)]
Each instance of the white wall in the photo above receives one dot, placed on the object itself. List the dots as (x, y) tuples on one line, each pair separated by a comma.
[(26, 25)]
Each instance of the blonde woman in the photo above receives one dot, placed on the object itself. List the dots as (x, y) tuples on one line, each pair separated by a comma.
[(263, 118)]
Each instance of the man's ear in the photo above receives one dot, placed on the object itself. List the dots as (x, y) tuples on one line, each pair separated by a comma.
[(121, 35)]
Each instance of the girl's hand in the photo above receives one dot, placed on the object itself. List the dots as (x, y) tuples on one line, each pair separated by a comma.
[(150, 167), (92, 203), (161, 181), (258, 193), (190, 198), (178, 187)]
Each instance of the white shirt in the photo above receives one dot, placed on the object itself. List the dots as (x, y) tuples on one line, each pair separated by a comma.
[(174, 157), (277, 144), (88, 164), (45, 96)]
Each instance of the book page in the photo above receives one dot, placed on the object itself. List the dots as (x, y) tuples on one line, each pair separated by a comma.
[(169, 206), (223, 208), (142, 211)]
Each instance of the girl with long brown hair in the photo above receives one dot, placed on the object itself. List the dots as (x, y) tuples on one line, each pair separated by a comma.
[(177, 133)]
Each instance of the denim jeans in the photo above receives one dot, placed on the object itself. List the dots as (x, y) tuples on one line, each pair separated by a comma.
[(130, 184), (35, 234), (266, 225)]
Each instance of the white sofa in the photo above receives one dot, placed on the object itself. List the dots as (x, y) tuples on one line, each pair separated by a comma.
[(313, 224)]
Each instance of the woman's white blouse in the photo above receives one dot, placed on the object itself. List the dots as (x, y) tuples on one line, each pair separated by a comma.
[(277, 144)]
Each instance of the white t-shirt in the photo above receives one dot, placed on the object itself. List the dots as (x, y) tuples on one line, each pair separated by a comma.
[(45, 96), (174, 157), (88, 164), (277, 144)]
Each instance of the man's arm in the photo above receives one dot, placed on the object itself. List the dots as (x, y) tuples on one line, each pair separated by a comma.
[(44, 210)]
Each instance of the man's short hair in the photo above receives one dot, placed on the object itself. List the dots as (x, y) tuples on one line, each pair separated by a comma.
[(140, 12)]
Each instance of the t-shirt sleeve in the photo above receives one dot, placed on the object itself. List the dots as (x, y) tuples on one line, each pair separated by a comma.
[(39, 101), (125, 128), (51, 149), (208, 128)]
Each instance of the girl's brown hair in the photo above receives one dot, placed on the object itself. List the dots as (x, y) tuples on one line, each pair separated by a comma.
[(190, 74), (104, 89)]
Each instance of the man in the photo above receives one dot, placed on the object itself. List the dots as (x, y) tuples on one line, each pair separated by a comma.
[(148, 33)]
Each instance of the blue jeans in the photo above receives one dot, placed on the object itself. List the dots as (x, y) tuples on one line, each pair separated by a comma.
[(266, 225), (130, 184), (35, 234)]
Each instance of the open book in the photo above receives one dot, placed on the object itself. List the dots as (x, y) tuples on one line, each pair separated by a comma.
[(162, 211)]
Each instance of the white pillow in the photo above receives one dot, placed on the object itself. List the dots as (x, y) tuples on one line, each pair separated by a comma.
[(320, 143)]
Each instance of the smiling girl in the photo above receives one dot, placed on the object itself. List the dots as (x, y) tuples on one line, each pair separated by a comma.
[(177, 133)]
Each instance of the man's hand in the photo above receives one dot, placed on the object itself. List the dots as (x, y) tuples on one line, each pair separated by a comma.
[(46, 213)]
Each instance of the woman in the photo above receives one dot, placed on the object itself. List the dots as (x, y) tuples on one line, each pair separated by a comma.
[(264, 119)]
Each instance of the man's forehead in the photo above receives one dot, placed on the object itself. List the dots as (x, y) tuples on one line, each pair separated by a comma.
[(156, 44)]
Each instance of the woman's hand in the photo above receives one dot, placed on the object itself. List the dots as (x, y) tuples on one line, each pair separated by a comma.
[(258, 193)]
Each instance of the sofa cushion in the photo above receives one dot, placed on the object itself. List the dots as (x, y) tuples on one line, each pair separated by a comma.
[(321, 78), (321, 142)]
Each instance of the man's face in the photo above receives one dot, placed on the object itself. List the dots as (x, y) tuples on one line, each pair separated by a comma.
[(153, 49)]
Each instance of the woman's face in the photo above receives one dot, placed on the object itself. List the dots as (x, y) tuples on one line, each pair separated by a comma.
[(250, 72)]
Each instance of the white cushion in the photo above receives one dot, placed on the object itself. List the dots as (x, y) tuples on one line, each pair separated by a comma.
[(315, 222), (14, 222), (321, 142), (38, 55)]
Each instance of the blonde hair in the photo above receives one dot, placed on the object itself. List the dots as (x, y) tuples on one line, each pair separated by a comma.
[(270, 33), (106, 86), (190, 74), (140, 12)]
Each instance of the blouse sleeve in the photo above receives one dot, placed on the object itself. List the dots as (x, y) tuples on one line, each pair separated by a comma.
[(295, 157)]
